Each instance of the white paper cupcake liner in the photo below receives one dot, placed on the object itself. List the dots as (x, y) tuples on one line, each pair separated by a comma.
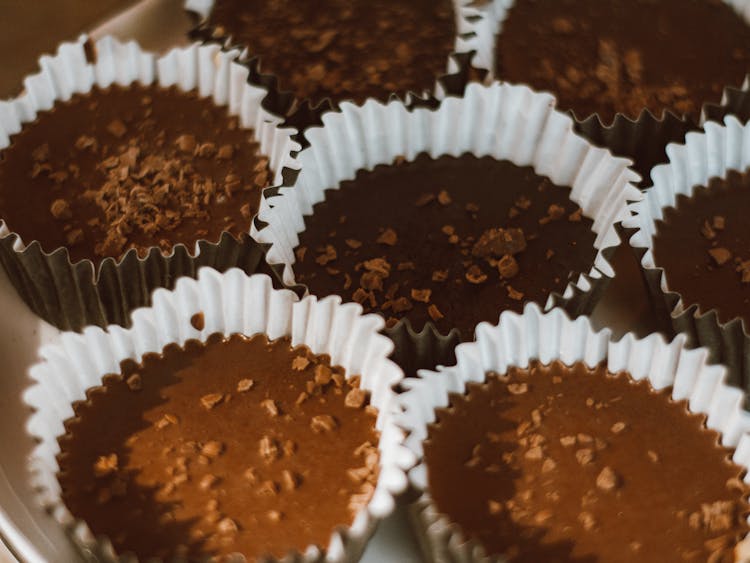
[(231, 303), (516, 341), (640, 138), (703, 156), (473, 48), (502, 121), (73, 295)]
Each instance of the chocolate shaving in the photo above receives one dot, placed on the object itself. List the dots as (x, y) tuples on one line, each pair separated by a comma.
[(270, 406), (134, 382), (210, 400), (105, 465), (444, 198), (117, 128), (198, 321), (268, 449), (60, 209), (513, 294), (720, 255), (507, 267), (499, 242), (355, 398), (387, 237), (244, 385), (212, 449), (434, 312), (322, 423), (421, 295), (607, 480), (475, 275), (425, 199), (300, 363)]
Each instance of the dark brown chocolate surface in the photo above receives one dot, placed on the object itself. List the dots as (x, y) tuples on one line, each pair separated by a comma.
[(609, 56), (239, 445), (703, 244), (574, 465), (344, 49), (426, 240), (132, 167)]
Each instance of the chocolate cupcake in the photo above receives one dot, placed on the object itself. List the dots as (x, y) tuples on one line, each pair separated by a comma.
[(623, 67), (230, 420), (452, 215), (572, 447), (347, 50), (139, 170), (691, 238), (620, 57)]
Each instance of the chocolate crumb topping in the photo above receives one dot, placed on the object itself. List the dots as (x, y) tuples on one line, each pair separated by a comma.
[(431, 241), (245, 385), (210, 400), (126, 168), (720, 255), (561, 463), (134, 382), (198, 321), (190, 465)]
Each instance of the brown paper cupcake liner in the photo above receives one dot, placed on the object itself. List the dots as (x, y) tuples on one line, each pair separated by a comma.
[(703, 156), (384, 132), (519, 339), (231, 303), (736, 102), (643, 140), (470, 60), (71, 295), (425, 349)]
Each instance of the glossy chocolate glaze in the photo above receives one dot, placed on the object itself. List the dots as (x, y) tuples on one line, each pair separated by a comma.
[(134, 167), (238, 445), (344, 49), (610, 56), (572, 464), (438, 211), (703, 246)]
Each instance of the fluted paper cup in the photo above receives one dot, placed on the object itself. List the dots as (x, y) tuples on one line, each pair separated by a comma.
[(641, 137), (518, 340), (71, 295), (502, 121), (231, 303), (712, 154)]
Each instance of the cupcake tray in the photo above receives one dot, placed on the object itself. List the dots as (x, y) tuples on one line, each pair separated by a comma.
[(27, 533)]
